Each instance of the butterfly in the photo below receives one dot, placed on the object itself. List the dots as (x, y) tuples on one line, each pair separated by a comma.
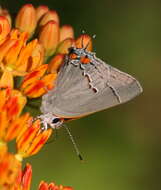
[(85, 85)]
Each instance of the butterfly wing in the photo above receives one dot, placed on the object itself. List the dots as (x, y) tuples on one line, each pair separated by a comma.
[(80, 92)]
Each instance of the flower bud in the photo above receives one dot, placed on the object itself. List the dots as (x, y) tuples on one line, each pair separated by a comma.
[(55, 63), (66, 31), (5, 13), (49, 37), (40, 11), (4, 28), (26, 19), (49, 16), (63, 47)]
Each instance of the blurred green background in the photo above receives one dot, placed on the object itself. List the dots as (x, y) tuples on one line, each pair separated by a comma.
[(121, 146)]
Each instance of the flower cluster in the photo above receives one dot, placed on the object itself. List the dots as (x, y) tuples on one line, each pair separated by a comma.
[(31, 54)]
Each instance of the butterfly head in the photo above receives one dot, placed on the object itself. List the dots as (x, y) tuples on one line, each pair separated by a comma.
[(50, 121), (80, 55)]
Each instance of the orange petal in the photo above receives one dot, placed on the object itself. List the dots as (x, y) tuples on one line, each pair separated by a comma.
[(25, 126), (36, 58), (15, 104), (66, 31), (9, 170), (23, 61), (23, 181), (4, 94), (49, 37), (64, 46), (5, 13), (16, 127), (39, 141), (6, 79), (32, 140), (4, 28), (51, 186), (40, 11), (49, 16), (35, 90), (4, 48), (66, 188), (12, 54), (55, 63), (49, 80), (84, 41), (26, 19), (34, 76), (3, 124), (24, 142), (12, 105), (40, 87), (3, 149)]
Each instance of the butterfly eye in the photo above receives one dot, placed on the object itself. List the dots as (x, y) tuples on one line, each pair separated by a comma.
[(73, 56), (55, 120)]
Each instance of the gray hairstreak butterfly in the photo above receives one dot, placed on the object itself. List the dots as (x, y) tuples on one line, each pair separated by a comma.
[(85, 85)]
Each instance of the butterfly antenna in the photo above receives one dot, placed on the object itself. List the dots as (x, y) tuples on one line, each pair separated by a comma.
[(73, 142), (83, 32)]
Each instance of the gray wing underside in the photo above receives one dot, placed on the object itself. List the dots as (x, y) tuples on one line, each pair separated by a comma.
[(74, 96)]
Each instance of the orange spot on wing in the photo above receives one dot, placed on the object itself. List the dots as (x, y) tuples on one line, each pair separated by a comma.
[(85, 60)]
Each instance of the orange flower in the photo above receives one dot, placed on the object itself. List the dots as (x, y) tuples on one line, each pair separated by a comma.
[(19, 58), (23, 181), (35, 84), (31, 139), (11, 104), (16, 127), (4, 28), (9, 170), (51, 186)]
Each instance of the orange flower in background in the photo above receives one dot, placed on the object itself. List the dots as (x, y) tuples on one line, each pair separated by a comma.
[(11, 104), (31, 139), (51, 186), (31, 55), (23, 181), (9, 170), (26, 19), (36, 83)]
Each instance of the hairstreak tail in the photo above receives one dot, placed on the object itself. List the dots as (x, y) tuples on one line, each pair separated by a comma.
[(85, 85)]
